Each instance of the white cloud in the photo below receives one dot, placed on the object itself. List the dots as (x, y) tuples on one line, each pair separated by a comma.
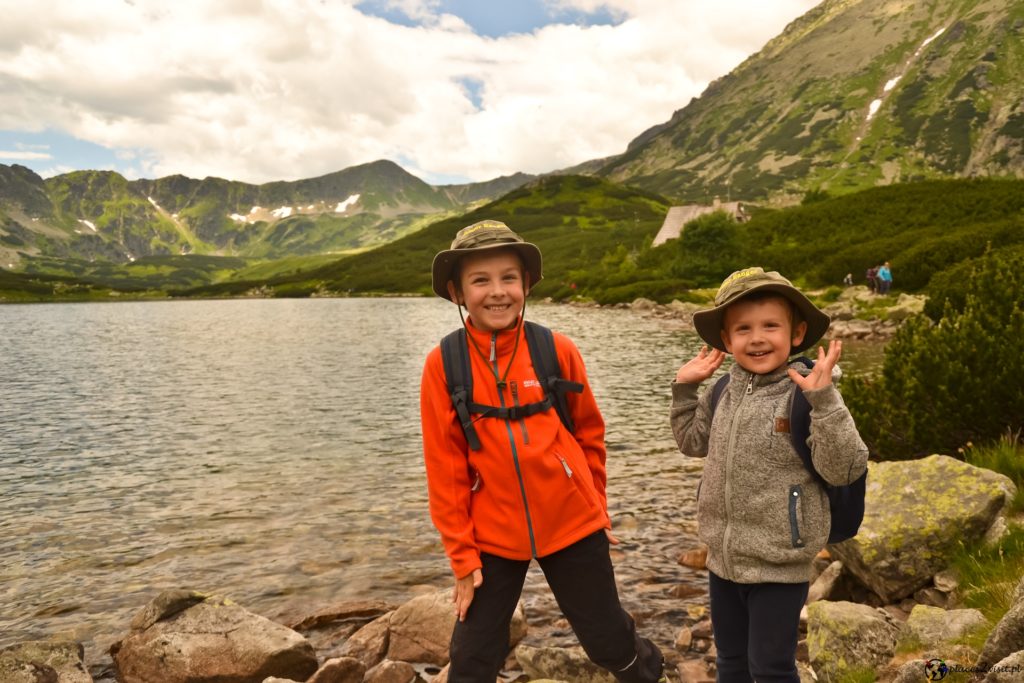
[(296, 88), (20, 155)]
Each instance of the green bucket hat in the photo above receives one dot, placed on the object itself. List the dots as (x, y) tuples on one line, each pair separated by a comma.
[(478, 237), (743, 283)]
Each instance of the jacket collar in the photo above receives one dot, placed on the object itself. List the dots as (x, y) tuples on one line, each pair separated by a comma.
[(737, 372), (505, 341)]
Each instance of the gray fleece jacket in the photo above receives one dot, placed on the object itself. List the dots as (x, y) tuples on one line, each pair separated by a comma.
[(762, 515)]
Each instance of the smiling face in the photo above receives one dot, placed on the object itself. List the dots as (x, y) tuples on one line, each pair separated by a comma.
[(760, 333), (492, 288)]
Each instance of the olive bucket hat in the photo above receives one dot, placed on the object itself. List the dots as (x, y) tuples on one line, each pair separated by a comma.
[(743, 283), (476, 238)]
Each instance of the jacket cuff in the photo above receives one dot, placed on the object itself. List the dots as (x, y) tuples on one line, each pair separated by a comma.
[(683, 392), (464, 566), (826, 399)]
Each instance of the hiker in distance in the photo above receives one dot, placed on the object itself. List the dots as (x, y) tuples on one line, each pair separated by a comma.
[(515, 460), (762, 512)]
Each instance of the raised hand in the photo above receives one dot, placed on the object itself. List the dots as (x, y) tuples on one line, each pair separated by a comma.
[(462, 596), (700, 368), (821, 375)]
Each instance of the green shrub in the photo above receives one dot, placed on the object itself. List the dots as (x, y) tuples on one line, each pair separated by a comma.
[(944, 384)]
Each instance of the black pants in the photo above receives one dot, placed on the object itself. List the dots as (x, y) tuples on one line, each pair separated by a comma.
[(583, 582), (756, 629)]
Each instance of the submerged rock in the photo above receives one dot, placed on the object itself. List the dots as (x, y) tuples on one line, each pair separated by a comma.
[(38, 661)]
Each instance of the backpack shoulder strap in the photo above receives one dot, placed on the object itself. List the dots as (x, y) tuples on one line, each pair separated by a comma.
[(800, 422), (541, 343), (459, 374), (716, 392)]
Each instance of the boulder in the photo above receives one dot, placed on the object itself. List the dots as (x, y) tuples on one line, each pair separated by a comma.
[(1006, 638), (356, 610), (916, 513), (339, 670), (421, 629), (932, 627), (213, 639), (824, 586), (38, 661), (561, 664), (369, 644), (642, 304), (845, 636), (1007, 670), (391, 672)]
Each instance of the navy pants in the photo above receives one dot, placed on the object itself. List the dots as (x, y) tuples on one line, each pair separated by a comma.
[(583, 583), (756, 629)]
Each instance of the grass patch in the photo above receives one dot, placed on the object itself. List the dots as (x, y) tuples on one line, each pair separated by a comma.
[(1005, 456), (990, 574)]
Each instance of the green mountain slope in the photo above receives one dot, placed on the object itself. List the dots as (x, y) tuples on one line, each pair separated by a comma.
[(577, 221), (855, 93), (924, 229)]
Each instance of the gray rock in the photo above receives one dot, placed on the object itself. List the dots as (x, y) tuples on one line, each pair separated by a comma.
[(37, 661), (369, 644), (420, 630), (642, 304), (214, 640), (824, 586), (391, 672), (563, 664), (933, 627), (165, 606), (339, 670), (356, 610), (917, 512), (845, 635), (1007, 670), (1006, 638)]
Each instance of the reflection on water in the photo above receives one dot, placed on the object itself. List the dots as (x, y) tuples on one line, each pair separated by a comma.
[(269, 450)]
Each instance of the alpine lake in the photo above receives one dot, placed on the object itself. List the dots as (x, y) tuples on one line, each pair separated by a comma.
[(269, 451)]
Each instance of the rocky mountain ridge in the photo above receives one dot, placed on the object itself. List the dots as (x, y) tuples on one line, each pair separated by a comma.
[(100, 215), (854, 93)]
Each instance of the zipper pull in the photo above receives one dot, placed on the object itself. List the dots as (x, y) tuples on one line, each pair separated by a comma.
[(494, 349), (565, 466), (750, 386)]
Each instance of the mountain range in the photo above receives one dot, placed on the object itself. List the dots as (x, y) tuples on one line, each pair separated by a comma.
[(854, 94)]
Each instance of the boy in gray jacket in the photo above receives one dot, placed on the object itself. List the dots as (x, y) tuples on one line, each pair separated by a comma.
[(761, 513)]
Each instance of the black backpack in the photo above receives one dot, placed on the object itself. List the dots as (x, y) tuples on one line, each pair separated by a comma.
[(459, 374), (846, 502)]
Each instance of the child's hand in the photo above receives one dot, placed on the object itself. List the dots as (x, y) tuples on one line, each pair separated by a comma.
[(821, 375), (611, 538), (462, 596), (700, 368)]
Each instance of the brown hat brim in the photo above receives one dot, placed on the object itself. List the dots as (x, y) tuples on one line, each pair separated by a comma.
[(708, 323), (446, 261)]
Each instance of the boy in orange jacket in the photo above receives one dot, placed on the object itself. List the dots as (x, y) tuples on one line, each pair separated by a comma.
[(533, 488)]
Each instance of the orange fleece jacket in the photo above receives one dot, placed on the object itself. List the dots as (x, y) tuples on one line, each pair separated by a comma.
[(534, 477)]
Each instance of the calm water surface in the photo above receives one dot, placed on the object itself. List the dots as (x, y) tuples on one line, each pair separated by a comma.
[(269, 450)]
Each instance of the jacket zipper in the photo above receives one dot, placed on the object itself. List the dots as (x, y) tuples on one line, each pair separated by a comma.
[(515, 402), (733, 428), (512, 444), (795, 493)]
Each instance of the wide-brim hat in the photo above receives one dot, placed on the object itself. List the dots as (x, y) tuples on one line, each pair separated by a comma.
[(479, 237), (747, 281)]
